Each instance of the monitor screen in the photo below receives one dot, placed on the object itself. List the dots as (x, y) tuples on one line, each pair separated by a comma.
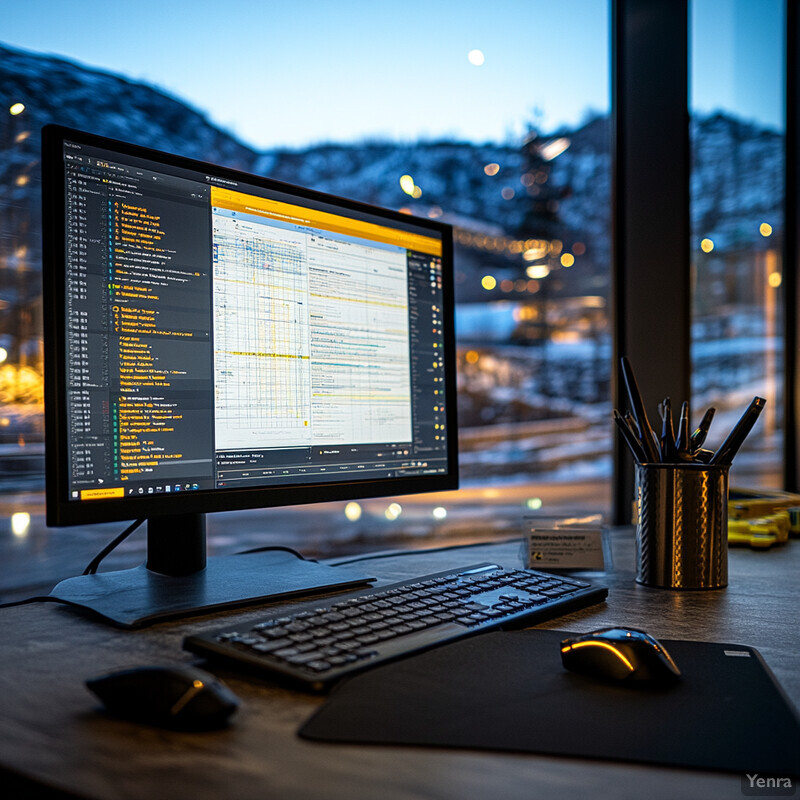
[(219, 341)]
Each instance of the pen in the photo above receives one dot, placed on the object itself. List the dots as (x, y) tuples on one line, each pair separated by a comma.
[(733, 442), (646, 434), (682, 440), (668, 454), (704, 456), (628, 419), (698, 437), (653, 436), (630, 437)]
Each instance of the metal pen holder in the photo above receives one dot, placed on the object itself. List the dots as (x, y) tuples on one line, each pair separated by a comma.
[(682, 525)]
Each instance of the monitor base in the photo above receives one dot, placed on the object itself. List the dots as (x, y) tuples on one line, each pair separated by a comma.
[(136, 597)]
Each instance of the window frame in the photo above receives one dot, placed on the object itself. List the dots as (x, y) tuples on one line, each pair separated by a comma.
[(791, 251), (650, 75), (650, 204)]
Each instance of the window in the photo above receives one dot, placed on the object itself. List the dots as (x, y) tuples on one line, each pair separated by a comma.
[(738, 65), (494, 118)]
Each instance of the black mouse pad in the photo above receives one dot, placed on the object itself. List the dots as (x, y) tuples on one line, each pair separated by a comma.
[(508, 691)]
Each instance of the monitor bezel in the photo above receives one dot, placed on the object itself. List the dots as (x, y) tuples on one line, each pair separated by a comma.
[(62, 512)]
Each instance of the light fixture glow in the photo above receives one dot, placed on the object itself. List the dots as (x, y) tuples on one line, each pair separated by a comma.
[(20, 523), (535, 253), (407, 184), (555, 148), (393, 511), (352, 511), (538, 271)]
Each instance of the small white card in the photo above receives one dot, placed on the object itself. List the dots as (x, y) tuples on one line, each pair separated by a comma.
[(565, 548)]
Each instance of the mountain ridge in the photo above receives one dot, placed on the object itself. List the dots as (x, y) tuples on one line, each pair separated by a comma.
[(450, 174)]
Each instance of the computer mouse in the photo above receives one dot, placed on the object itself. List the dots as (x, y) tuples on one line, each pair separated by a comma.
[(620, 654), (180, 696)]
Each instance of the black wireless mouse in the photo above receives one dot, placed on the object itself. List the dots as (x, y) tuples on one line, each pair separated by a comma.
[(620, 654), (181, 697)]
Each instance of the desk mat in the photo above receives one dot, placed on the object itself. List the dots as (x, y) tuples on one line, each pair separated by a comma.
[(508, 691)]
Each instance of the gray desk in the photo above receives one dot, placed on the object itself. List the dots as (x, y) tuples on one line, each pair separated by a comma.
[(50, 731)]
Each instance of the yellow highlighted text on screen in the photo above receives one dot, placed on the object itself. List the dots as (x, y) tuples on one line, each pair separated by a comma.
[(297, 215), (102, 494)]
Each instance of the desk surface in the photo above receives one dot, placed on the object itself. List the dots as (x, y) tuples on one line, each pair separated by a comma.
[(50, 730)]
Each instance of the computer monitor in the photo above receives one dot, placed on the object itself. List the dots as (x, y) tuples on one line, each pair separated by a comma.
[(217, 341)]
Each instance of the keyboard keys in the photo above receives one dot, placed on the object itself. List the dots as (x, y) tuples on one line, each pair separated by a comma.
[(319, 645)]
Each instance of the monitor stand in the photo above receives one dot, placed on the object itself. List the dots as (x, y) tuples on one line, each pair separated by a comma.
[(178, 581)]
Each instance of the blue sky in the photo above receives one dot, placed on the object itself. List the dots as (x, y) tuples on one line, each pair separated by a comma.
[(277, 73), (737, 53)]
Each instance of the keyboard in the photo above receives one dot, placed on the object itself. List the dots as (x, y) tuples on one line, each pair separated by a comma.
[(325, 640)]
